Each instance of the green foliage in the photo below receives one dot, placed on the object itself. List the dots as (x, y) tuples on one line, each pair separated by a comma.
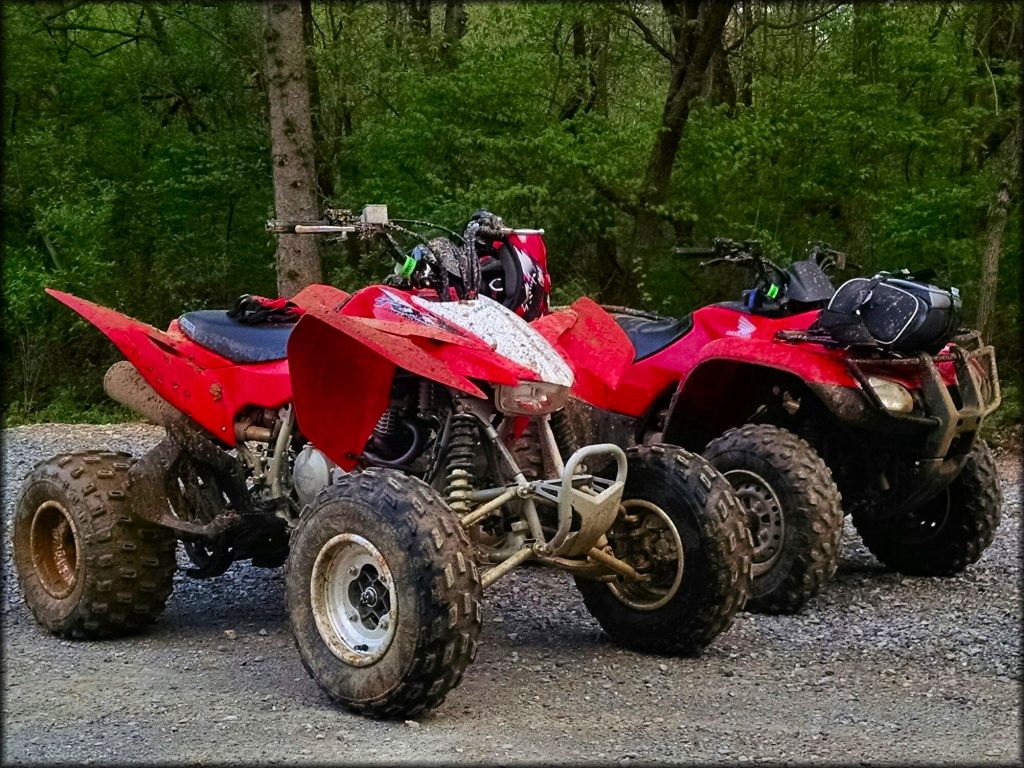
[(138, 168)]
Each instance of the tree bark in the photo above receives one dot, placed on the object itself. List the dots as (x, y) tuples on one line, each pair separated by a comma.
[(454, 31), (747, 77), (697, 29), (324, 175), (291, 134), (867, 39), (995, 227)]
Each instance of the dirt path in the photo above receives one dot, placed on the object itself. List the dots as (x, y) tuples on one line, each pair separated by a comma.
[(879, 668)]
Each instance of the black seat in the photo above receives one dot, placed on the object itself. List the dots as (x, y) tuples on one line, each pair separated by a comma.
[(651, 333), (239, 343)]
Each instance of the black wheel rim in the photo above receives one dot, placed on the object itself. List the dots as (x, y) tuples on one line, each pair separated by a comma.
[(927, 521)]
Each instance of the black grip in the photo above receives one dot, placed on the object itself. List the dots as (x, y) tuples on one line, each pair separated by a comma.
[(281, 227)]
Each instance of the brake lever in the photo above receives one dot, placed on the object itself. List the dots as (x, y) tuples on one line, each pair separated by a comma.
[(725, 260)]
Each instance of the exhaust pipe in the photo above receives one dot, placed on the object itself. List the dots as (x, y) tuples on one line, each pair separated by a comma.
[(123, 383)]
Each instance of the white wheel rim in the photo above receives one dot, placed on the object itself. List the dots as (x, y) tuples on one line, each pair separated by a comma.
[(765, 517), (352, 593)]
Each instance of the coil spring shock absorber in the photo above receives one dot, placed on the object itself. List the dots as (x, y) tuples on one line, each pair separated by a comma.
[(459, 464)]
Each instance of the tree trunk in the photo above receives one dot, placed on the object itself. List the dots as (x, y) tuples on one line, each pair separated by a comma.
[(419, 15), (291, 134), (697, 29), (747, 78), (867, 40), (599, 67), (995, 227), (454, 31)]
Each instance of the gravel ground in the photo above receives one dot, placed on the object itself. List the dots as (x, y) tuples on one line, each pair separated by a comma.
[(880, 668)]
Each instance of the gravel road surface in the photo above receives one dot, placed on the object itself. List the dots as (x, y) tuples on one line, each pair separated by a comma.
[(880, 668)]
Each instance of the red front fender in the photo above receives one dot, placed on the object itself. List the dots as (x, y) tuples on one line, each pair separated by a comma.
[(596, 348), (809, 362), (342, 368)]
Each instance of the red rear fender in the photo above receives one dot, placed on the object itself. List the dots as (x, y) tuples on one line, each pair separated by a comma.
[(209, 388)]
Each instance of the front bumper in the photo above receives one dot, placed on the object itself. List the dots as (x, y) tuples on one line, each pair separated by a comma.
[(976, 389), (940, 433)]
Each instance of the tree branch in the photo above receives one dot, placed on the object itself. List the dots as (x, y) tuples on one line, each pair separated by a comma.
[(763, 21), (646, 31), (90, 28), (114, 47)]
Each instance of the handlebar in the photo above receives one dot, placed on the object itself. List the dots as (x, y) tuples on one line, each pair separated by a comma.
[(431, 262), (694, 252), (726, 251), (750, 253)]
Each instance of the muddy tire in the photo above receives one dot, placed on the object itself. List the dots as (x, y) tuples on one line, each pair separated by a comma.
[(383, 594), (86, 566), (950, 532), (793, 509), (674, 497), (527, 453)]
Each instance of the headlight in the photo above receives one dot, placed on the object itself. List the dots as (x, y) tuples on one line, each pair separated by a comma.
[(532, 398), (894, 396)]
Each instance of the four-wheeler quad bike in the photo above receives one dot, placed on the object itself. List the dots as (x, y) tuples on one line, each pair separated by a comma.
[(366, 440), (799, 383)]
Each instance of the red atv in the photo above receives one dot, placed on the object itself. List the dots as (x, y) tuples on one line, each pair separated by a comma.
[(366, 439), (799, 383)]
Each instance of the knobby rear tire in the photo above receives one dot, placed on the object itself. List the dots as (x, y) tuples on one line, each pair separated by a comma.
[(795, 476), (86, 565)]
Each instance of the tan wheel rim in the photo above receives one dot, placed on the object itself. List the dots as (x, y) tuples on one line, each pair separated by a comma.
[(55, 547), (645, 537)]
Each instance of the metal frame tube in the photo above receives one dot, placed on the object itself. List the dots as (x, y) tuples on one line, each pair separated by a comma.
[(280, 448), (484, 510), (619, 566), (505, 566), (565, 492), (549, 444)]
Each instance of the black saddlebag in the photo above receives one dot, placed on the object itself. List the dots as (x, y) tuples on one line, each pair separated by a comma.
[(900, 312)]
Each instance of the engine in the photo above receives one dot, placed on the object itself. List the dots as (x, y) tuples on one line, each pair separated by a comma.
[(312, 472)]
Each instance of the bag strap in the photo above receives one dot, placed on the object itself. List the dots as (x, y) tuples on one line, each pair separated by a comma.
[(251, 309)]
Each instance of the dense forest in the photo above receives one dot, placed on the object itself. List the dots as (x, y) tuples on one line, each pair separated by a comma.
[(138, 166)]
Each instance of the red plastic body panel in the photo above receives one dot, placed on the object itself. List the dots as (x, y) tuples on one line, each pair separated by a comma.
[(344, 353), (722, 333), (596, 348), (196, 381), (342, 357)]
